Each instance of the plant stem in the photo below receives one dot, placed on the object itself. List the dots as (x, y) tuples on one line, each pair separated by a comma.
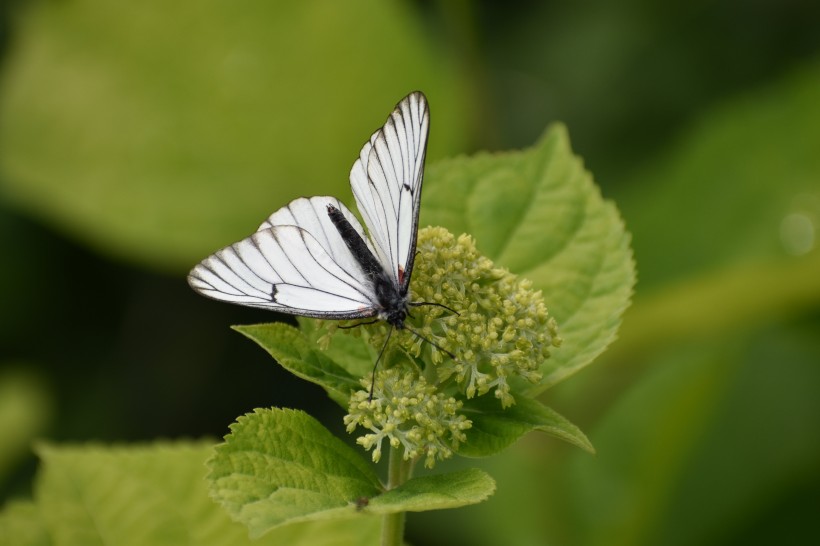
[(398, 472)]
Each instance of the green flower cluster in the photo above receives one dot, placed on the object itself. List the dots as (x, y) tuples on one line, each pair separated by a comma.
[(479, 329), (409, 413), (502, 328)]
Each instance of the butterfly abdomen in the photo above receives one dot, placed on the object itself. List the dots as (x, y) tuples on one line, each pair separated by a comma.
[(354, 242), (393, 304)]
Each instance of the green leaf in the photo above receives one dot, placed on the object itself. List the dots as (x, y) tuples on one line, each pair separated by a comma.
[(495, 428), (351, 352), (722, 350), (90, 495), (539, 213), (649, 437), (302, 358), (437, 492), (281, 466), (158, 132), (744, 169), (746, 185), (21, 524), (147, 495)]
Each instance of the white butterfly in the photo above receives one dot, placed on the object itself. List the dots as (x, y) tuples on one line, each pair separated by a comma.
[(312, 257)]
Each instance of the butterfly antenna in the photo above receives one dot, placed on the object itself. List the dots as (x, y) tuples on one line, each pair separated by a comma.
[(373, 375), (431, 342)]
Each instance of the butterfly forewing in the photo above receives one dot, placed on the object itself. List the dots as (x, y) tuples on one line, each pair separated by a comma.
[(386, 182), (368, 203), (415, 132)]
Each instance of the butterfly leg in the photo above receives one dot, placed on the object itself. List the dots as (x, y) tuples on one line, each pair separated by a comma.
[(420, 303), (431, 342), (348, 327), (373, 375)]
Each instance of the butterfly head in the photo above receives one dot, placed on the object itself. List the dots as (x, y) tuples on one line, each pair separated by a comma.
[(395, 315)]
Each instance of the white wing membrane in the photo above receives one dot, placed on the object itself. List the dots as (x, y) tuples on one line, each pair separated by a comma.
[(311, 215), (386, 182), (323, 302), (297, 262)]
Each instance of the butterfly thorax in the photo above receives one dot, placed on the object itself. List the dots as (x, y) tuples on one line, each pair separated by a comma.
[(393, 304)]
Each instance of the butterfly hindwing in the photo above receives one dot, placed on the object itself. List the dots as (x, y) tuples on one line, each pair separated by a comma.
[(311, 214), (285, 269)]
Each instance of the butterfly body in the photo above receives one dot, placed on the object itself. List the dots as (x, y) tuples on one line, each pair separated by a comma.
[(313, 258)]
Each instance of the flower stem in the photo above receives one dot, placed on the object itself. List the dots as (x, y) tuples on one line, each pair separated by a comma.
[(398, 472)]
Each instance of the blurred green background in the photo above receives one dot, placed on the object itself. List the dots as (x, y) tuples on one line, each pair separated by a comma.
[(137, 137)]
